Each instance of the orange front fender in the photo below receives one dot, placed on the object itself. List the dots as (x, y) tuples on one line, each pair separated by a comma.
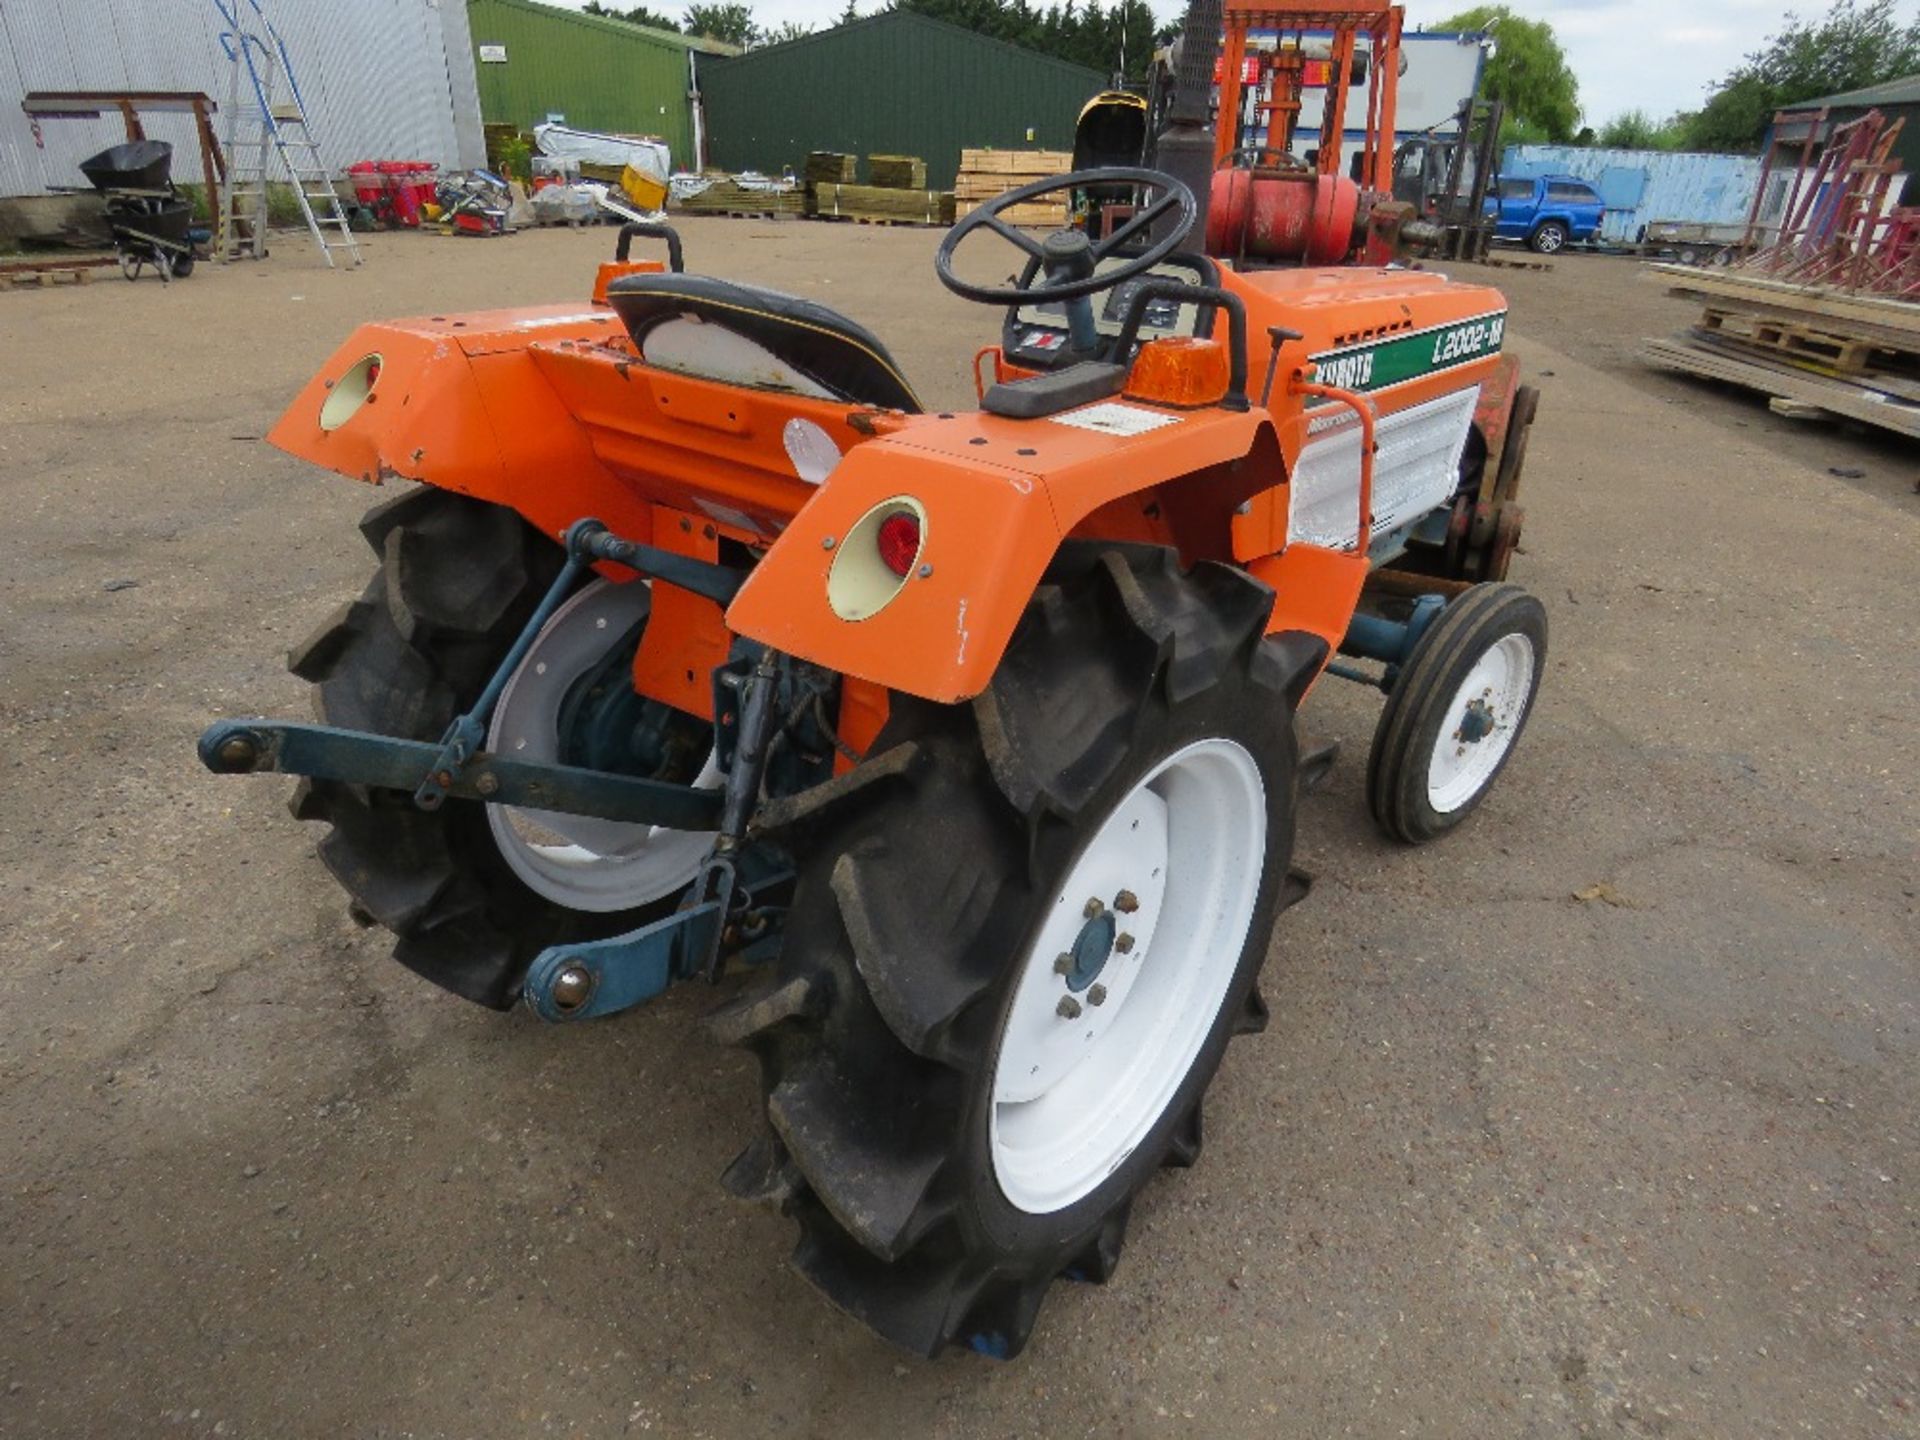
[(998, 496)]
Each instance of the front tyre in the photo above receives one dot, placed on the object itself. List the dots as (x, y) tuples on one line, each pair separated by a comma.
[(1456, 712), (1016, 956)]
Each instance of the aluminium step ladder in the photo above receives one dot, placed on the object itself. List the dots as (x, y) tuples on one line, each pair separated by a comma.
[(263, 128)]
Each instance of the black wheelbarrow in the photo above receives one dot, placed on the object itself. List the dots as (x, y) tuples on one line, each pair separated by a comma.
[(151, 223)]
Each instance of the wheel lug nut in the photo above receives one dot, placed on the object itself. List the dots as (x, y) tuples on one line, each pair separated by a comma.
[(1126, 902), (1097, 995), (1123, 942), (1068, 1008), (1063, 965), (1095, 908)]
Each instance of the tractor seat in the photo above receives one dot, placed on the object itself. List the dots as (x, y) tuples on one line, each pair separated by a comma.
[(741, 335)]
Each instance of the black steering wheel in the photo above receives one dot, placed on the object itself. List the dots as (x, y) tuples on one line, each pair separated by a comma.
[(1067, 259)]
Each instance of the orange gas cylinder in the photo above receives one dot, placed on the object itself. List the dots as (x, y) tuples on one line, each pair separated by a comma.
[(1297, 215)]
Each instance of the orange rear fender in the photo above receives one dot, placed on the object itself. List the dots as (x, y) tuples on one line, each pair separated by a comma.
[(545, 410), (458, 403), (998, 496)]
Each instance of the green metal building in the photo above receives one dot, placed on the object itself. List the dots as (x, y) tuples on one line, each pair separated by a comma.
[(534, 61), (892, 84)]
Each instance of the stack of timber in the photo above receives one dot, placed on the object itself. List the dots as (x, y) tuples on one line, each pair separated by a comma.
[(985, 174), (729, 197), (1815, 352), (830, 167), (897, 172), (881, 205)]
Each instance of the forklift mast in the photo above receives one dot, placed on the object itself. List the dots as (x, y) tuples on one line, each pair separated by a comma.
[(1283, 72)]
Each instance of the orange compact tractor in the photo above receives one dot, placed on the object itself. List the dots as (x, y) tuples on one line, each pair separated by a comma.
[(699, 649)]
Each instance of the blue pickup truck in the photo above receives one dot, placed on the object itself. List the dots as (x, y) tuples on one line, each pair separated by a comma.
[(1547, 212)]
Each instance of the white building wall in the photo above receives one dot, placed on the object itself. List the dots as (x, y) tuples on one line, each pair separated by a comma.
[(382, 79)]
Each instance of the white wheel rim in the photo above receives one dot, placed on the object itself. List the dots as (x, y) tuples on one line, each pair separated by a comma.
[(1480, 723), (578, 861), (1073, 1096)]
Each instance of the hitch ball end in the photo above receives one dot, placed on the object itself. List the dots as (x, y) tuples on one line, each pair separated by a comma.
[(230, 751), (571, 988), (238, 752)]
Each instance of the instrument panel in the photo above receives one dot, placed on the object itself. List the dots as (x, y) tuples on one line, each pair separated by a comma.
[(1036, 335)]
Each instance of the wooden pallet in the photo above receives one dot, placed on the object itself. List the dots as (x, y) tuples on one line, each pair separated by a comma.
[(1803, 392), (879, 220), (1839, 353), (1031, 216), (880, 204), (20, 274), (727, 198)]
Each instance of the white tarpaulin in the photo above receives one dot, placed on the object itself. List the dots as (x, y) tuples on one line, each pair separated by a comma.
[(649, 157)]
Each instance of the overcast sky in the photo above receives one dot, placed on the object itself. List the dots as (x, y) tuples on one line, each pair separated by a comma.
[(1655, 55)]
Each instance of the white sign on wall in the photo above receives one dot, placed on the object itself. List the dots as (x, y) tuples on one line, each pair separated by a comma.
[(493, 54)]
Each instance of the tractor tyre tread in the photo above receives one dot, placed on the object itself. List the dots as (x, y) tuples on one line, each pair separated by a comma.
[(457, 580), (908, 923)]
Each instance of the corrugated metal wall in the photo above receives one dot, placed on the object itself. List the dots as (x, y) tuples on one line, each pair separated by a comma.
[(600, 74), (382, 78), (895, 84), (1641, 186)]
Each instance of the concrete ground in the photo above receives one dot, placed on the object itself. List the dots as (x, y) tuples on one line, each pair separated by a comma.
[(1600, 1117)]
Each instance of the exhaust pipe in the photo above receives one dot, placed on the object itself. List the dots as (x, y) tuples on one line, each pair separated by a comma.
[(1184, 149)]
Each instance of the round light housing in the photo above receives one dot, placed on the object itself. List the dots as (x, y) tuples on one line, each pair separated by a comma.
[(349, 393), (873, 563)]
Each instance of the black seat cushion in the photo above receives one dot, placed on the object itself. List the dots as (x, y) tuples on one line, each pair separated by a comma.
[(845, 359)]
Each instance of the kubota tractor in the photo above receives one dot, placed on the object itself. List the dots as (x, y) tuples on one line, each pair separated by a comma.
[(696, 648)]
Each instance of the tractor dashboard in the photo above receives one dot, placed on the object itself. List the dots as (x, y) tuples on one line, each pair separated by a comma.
[(1035, 336)]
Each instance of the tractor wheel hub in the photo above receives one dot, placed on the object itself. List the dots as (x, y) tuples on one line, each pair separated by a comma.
[(1092, 948)]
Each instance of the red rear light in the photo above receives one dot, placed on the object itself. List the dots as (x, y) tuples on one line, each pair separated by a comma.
[(373, 374), (898, 541)]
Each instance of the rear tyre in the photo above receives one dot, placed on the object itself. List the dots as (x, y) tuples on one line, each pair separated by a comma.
[(457, 581), (968, 1073), (1549, 237), (1456, 712)]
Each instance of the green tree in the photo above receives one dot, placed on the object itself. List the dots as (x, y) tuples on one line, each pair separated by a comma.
[(1854, 45), (848, 15), (638, 15), (1637, 130), (1116, 39), (783, 32), (1527, 71), (728, 21)]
